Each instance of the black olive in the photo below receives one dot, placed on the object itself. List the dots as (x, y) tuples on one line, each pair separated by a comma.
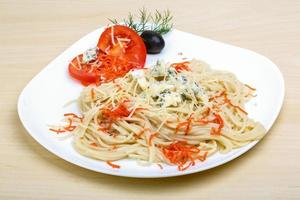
[(154, 41)]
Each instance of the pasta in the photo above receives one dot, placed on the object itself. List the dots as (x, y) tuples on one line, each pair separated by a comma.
[(171, 113)]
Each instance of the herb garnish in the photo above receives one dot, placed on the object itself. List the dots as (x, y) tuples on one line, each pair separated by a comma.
[(160, 22)]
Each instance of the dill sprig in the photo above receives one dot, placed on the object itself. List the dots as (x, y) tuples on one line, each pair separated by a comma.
[(160, 22)]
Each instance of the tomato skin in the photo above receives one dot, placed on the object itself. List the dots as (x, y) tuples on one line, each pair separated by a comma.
[(85, 77), (135, 51)]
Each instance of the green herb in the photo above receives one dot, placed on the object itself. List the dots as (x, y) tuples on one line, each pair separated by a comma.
[(160, 22)]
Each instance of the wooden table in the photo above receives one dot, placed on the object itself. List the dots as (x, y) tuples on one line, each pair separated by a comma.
[(32, 33)]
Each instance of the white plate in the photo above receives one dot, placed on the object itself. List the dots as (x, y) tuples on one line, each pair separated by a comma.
[(42, 100)]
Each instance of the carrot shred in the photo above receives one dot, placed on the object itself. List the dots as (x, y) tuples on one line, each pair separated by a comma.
[(235, 106), (206, 113), (181, 66), (226, 100), (151, 137), (203, 158), (112, 68), (107, 67), (57, 130), (181, 124), (139, 109), (113, 165), (73, 116), (139, 134), (217, 96), (93, 94), (187, 124), (180, 153), (117, 113), (94, 144), (101, 128), (218, 120), (68, 128), (182, 168)]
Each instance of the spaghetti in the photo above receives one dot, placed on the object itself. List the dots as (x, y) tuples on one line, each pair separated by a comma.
[(174, 114)]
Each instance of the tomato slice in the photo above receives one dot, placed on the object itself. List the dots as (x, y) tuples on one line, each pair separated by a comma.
[(120, 49), (124, 43), (83, 72)]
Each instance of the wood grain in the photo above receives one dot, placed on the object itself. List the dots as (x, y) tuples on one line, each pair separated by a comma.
[(32, 33)]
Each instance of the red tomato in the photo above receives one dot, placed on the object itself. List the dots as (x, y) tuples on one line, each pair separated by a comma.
[(83, 72), (120, 50), (123, 43)]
